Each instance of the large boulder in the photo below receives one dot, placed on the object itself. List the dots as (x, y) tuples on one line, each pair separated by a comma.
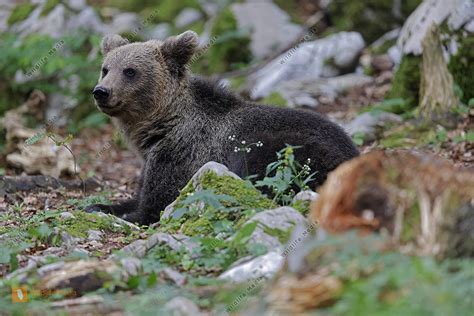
[(257, 17), (308, 61), (456, 13)]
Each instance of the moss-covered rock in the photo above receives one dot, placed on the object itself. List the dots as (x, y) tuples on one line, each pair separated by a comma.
[(461, 67), (21, 12), (372, 18), (49, 6), (220, 204)]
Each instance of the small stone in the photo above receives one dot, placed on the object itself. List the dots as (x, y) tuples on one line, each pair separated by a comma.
[(264, 266), (131, 265), (181, 306), (173, 275), (66, 215), (367, 123), (307, 195), (94, 234)]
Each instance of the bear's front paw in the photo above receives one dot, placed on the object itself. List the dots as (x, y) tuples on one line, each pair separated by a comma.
[(94, 208)]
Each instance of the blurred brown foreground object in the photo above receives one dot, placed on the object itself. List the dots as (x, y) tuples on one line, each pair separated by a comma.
[(424, 203)]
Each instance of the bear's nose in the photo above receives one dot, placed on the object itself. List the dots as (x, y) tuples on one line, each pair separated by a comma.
[(100, 93)]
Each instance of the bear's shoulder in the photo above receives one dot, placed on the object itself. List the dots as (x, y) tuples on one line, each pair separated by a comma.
[(210, 95)]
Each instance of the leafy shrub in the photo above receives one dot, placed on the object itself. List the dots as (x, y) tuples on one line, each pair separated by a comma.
[(46, 62), (288, 175)]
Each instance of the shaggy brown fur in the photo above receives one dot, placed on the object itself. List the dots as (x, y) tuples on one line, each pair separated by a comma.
[(178, 122)]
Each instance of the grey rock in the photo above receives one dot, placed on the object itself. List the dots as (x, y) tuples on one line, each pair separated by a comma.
[(293, 90), (181, 306), (160, 31), (66, 215), (187, 17), (87, 20), (77, 5), (367, 124), (131, 265), (429, 12), (68, 240), (283, 218), (308, 61), (307, 195), (303, 99), (269, 26), (126, 22), (211, 7), (264, 266), (44, 270), (173, 275), (95, 235), (6, 8), (470, 26), (139, 248), (60, 22)]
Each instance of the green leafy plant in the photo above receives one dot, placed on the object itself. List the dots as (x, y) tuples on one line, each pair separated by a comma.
[(287, 174)]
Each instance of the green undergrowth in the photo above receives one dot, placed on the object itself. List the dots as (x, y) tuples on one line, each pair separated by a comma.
[(45, 228), (377, 282)]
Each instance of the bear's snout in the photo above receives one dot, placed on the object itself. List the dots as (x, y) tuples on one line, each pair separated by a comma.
[(100, 93)]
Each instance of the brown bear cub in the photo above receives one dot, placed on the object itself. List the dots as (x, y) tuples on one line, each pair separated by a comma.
[(178, 122)]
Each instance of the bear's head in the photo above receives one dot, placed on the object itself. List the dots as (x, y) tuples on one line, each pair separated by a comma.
[(138, 76)]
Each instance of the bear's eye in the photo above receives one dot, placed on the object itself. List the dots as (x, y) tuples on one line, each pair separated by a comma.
[(129, 72), (105, 71)]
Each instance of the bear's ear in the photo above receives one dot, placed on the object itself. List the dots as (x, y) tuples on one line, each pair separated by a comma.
[(110, 42), (177, 51)]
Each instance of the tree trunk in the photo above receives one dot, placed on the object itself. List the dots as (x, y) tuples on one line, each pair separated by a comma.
[(437, 97)]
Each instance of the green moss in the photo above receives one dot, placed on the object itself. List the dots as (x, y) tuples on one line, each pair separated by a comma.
[(246, 195), (21, 12), (207, 220), (229, 51), (275, 98), (201, 226), (282, 235), (461, 67), (411, 224), (406, 82), (301, 206), (408, 136), (49, 6), (83, 222), (371, 18)]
